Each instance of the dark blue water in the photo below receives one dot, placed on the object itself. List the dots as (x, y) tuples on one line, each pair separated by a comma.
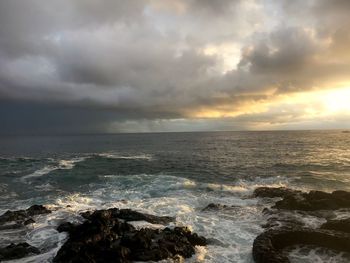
[(168, 173)]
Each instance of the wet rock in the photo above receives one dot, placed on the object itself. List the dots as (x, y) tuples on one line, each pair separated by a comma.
[(286, 223), (268, 246), (213, 206), (217, 207), (130, 215), (28, 221), (106, 237), (272, 192), (66, 227), (10, 226), (23, 217), (315, 200), (338, 225), (312, 201), (16, 251), (274, 222), (286, 218), (37, 210)]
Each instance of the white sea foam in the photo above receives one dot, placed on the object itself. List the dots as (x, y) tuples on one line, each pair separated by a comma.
[(5, 193), (131, 157), (144, 224), (40, 172), (309, 254), (231, 231), (41, 234), (69, 164), (62, 164), (44, 187)]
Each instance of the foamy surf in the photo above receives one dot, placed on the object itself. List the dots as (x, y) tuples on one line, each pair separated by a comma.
[(229, 229), (126, 157), (61, 164), (179, 180), (39, 173)]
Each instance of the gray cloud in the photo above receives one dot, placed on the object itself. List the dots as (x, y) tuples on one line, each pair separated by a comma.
[(146, 61)]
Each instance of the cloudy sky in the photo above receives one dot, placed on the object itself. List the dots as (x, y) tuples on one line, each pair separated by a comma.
[(71, 66)]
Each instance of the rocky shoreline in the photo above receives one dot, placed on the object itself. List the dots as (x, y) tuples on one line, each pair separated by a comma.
[(283, 231), (108, 236), (18, 219)]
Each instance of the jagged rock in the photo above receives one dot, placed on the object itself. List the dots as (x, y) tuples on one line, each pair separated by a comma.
[(315, 200), (104, 237), (130, 215), (66, 227), (216, 207), (286, 218), (274, 222), (338, 225), (272, 192), (23, 217), (312, 201), (285, 228), (16, 251), (268, 246), (213, 206)]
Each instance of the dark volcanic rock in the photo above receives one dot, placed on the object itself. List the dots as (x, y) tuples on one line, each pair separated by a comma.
[(267, 247), (10, 226), (130, 215), (66, 227), (213, 206), (218, 207), (338, 225), (285, 228), (272, 192), (315, 200), (104, 237), (23, 217), (312, 201), (16, 251), (18, 219)]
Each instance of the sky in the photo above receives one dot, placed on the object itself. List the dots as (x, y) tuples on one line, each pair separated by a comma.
[(108, 66)]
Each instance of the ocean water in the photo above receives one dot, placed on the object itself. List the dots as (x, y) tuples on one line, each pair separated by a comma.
[(175, 174)]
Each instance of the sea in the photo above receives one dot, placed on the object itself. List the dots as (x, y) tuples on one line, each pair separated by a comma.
[(170, 174)]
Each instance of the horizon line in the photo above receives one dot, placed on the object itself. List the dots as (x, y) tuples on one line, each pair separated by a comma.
[(168, 132)]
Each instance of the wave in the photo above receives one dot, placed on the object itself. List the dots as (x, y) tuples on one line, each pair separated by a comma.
[(331, 166), (39, 173), (5, 193), (145, 186), (184, 199), (311, 254), (61, 164), (233, 230), (42, 235), (127, 157)]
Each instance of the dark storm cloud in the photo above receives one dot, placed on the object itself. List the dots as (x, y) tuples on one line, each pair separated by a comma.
[(285, 50), (126, 61), (26, 25), (213, 7)]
